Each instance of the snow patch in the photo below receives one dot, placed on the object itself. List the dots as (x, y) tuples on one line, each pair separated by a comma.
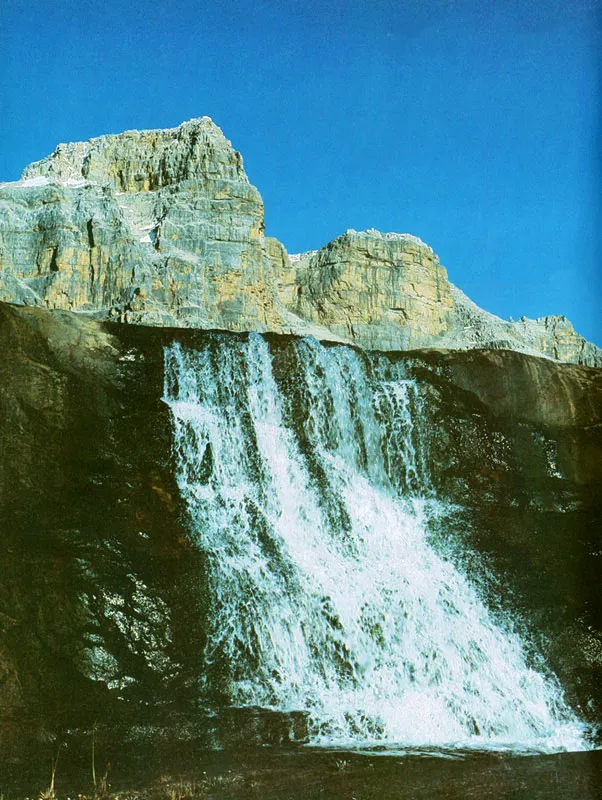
[(39, 180), (396, 237), (295, 258), (76, 183), (44, 180)]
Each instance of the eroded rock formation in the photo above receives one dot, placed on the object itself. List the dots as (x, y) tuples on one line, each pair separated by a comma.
[(388, 291), (163, 228), (155, 226), (383, 291)]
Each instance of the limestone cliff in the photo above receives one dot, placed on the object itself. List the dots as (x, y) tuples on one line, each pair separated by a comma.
[(388, 291), (552, 336), (163, 228), (383, 291), (154, 226)]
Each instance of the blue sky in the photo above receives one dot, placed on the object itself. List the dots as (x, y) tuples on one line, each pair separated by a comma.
[(474, 124)]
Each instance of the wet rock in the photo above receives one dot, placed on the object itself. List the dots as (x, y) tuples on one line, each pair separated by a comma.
[(103, 598), (92, 539)]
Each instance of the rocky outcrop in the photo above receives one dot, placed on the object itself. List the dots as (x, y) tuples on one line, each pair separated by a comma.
[(155, 226), (551, 336), (388, 291), (382, 291), (102, 598), (163, 228), (92, 549)]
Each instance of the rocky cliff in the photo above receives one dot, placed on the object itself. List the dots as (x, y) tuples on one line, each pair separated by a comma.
[(103, 602), (158, 226), (164, 228), (388, 291), (383, 291)]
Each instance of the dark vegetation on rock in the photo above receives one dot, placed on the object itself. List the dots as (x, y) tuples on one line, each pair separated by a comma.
[(102, 598)]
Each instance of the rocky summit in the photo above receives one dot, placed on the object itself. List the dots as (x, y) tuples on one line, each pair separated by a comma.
[(155, 226), (163, 228)]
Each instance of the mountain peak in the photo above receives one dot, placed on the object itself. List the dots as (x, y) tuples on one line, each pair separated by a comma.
[(135, 161), (162, 227)]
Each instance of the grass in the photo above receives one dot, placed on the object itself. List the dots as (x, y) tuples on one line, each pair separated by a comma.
[(49, 793), (167, 787)]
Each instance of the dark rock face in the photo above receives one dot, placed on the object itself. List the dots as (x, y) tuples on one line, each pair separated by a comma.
[(101, 597), (516, 445), (93, 555)]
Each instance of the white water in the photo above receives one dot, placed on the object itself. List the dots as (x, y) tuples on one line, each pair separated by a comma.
[(310, 499)]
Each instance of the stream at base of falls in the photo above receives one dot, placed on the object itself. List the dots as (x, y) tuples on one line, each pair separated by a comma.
[(302, 773)]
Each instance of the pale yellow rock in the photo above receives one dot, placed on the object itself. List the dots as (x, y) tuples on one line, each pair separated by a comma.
[(383, 291), (163, 228), (160, 226)]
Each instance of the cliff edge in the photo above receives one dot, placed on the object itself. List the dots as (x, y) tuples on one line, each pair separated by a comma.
[(162, 227)]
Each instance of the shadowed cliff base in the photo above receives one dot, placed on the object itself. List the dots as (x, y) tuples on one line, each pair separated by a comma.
[(103, 598), (295, 774)]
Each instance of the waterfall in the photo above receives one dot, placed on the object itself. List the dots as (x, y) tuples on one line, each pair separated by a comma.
[(304, 473)]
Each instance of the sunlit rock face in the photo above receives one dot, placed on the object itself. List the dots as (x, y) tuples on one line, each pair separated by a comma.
[(555, 336), (388, 291), (155, 226), (382, 291), (162, 227), (552, 336)]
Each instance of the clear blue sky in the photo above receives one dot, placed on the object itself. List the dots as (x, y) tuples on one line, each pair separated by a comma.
[(474, 124)]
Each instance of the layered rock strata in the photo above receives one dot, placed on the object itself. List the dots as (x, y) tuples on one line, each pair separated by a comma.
[(155, 226), (382, 291), (388, 291), (163, 228)]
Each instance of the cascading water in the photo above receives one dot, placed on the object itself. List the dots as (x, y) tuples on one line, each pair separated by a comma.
[(308, 495)]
